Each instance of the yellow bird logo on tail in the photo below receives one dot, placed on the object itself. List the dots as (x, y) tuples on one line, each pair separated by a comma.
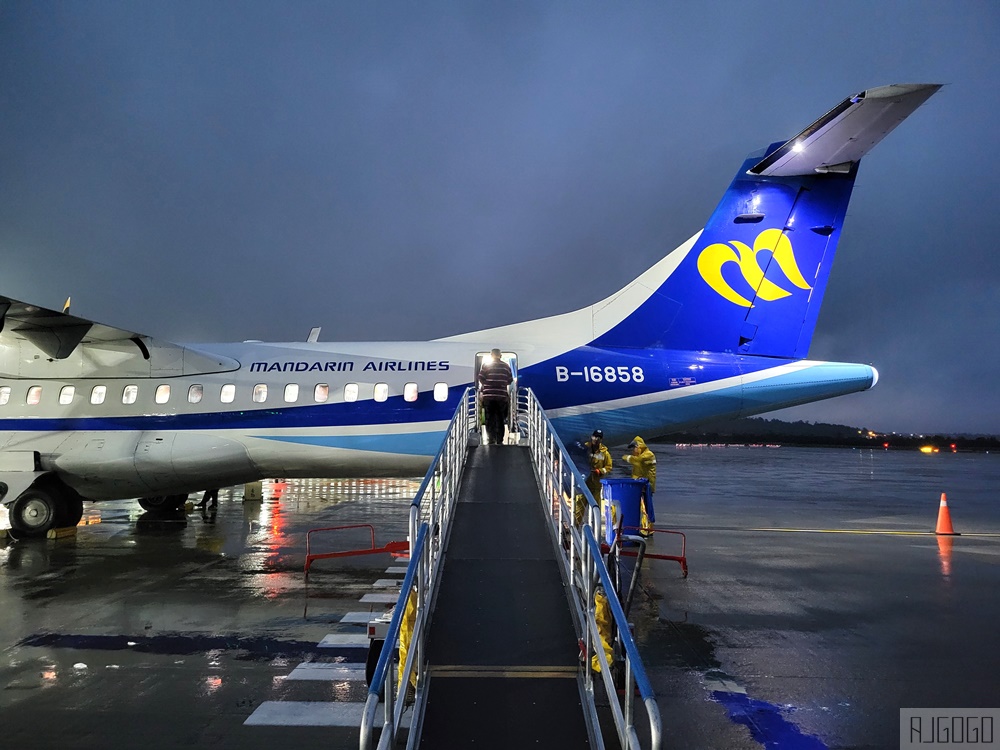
[(714, 257)]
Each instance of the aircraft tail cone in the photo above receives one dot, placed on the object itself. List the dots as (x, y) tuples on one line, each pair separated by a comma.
[(944, 526)]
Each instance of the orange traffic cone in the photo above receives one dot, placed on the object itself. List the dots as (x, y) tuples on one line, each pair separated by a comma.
[(944, 518)]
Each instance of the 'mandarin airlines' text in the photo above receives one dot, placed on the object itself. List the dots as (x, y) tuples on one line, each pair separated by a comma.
[(348, 366)]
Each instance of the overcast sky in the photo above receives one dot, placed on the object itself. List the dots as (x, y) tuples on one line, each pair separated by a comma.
[(215, 171)]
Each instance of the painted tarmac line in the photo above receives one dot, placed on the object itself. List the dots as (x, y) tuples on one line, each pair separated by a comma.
[(342, 640), (379, 598), (387, 583), (396, 570), (306, 714), (860, 532), (887, 532), (326, 672)]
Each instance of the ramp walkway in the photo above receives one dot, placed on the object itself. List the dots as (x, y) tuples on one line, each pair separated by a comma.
[(495, 631), (502, 652)]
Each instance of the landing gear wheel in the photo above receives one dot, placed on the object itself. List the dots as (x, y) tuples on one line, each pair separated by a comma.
[(34, 512), (159, 502), (163, 503), (176, 502), (71, 512)]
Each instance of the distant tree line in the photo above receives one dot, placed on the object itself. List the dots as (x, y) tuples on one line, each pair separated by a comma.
[(757, 430)]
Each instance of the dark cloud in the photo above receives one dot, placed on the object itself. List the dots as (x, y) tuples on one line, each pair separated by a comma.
[(390, 170)]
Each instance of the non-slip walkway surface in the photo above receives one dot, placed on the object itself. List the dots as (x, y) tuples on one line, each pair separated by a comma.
[(502, 649)]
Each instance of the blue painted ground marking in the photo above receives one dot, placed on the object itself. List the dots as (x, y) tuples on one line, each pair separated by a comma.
[(766, 723)]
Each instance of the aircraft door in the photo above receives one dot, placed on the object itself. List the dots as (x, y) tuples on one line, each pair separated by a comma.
[(511, 359)]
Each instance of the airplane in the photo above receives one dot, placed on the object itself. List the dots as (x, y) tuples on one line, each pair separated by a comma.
[(718, 328)]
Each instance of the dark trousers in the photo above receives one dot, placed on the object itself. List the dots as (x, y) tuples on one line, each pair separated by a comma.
[(496, 416), (211, 497)]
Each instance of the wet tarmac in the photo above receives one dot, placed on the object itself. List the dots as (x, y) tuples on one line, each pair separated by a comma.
[(199, 629), (816, 638), (155, 631)]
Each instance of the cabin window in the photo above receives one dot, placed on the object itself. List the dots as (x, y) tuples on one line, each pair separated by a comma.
[(130, 394), (195, 393), (381, 391), (228, 394), (410, 392), (321, 393), (162, 394), (4, 395), (291, 393), (440, 391), (34, 395), (259, 394), (98, 394), (66, 394), (351, 392)]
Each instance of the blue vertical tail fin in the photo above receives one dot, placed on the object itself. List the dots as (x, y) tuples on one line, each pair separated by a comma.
[(754, 279)]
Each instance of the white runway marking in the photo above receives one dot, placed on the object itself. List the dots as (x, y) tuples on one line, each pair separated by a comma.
[(358, 618), (341, 640), (379, 598), (387, 583), (325, 672), (399, 571), (306, 714)]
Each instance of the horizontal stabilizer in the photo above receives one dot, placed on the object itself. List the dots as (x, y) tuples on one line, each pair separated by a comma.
[(838, 139)]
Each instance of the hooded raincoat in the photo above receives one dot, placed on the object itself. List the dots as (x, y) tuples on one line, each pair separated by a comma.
[(644, 467)]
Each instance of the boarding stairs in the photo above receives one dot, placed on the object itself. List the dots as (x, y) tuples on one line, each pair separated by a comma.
[(497, 611)]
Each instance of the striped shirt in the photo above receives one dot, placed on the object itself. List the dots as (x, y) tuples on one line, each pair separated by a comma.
[(494, 379)]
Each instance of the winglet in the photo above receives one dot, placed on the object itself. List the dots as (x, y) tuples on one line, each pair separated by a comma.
[(838, 139)]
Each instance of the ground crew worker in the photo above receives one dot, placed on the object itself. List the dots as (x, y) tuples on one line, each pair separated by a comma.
[(495, 378), (599, 458), (643, 467)]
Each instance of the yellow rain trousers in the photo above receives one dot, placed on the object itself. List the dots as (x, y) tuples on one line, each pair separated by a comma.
[(603, 617), (406, 635), (646, 526)]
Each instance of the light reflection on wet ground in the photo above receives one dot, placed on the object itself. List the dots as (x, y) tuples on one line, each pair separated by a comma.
[(174, 627), (828, 634)]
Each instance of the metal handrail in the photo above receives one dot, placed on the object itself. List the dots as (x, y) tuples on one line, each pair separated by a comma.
[(430, 525), (635, 672), (431, 512), (584, 567)]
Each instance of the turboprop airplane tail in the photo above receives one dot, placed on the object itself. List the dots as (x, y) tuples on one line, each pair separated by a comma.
[(753, 280)]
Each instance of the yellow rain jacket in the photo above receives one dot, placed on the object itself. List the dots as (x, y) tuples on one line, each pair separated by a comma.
[(600, 467), (406, 626), (643, 465), (604, 618)]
